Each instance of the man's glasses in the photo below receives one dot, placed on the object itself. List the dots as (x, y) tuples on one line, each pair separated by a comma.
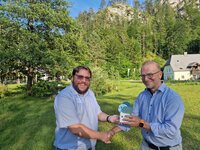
[(80, 77), (149, 75)]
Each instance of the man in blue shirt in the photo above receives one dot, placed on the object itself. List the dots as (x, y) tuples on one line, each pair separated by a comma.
[(77, 114), (158, 111)]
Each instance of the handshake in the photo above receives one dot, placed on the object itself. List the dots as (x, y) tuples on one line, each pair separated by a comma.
[(125, 118), (107, 136), (129, 120)]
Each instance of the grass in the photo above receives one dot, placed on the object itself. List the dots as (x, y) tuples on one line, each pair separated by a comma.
[(28, 123)]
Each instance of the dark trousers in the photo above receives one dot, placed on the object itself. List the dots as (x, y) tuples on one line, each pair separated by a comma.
[(154, 147), (67, 149)]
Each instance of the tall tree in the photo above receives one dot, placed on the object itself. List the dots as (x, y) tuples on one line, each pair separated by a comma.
[(111, 2), (136, 4), (39, 35), (149, 6), (103, 4), (192, 16)]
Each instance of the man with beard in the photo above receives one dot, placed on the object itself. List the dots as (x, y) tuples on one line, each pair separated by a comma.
[(158, 111), (77, 114)]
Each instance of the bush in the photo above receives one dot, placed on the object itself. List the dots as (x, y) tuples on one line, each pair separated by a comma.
[(101, 84), (46, 88), (3, 90), (183, 82)]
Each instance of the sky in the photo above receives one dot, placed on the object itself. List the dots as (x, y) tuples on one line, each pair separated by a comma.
[(82, 5)]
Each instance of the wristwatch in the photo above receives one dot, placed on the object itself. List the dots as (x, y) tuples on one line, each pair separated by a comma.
[(107, 119), (141, 124)]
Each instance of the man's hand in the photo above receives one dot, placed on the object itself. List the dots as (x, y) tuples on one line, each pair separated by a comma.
[(114, 119), (107, 136), (135, 121), (131, 120)]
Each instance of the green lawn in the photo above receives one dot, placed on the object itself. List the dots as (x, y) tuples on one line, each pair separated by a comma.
[(28, 123)]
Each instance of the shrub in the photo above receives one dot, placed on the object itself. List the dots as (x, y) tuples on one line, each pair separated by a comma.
[(183, 82), (3, 90), (46, 88), (101, 84)]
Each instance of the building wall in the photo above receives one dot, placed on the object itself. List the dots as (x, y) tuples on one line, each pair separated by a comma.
[(182, 75), (168, 73)]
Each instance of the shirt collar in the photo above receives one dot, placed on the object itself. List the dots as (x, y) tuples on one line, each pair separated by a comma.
[(161, 88)]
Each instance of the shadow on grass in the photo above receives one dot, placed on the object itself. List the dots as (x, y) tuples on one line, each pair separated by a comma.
[(27, 124), (12, 93), (190, 132)]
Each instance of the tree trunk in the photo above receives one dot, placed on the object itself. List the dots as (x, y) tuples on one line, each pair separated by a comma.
[(2, 80), (30, 81), (18, 78), (29, 84)]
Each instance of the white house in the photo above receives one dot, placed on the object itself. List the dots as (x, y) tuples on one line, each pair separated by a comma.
[(182, 67)]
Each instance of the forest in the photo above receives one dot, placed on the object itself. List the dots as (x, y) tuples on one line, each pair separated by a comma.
[(40, 36)]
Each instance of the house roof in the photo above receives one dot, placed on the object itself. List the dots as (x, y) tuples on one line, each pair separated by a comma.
[(194, 64), (181, 62)]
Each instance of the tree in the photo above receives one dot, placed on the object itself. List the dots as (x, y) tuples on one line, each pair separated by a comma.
[(163, 25), (111, 2), (136, 5), (149, 6), (192, 17), (39, 35), (103, 4), (179, 38)]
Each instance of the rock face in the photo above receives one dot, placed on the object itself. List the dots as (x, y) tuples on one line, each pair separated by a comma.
[(179, 3), (119, 12), (173, 3)]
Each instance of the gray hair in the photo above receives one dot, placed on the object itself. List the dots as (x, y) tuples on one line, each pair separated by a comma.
[(152, 62)]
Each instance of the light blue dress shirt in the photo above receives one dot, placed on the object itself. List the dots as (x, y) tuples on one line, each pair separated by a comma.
[(164, 110), (73, 108)]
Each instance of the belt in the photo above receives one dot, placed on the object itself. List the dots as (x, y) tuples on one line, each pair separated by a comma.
[(152, 146), (66, 149)]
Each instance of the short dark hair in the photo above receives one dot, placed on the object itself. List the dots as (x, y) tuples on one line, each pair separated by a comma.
[(78, 68)]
